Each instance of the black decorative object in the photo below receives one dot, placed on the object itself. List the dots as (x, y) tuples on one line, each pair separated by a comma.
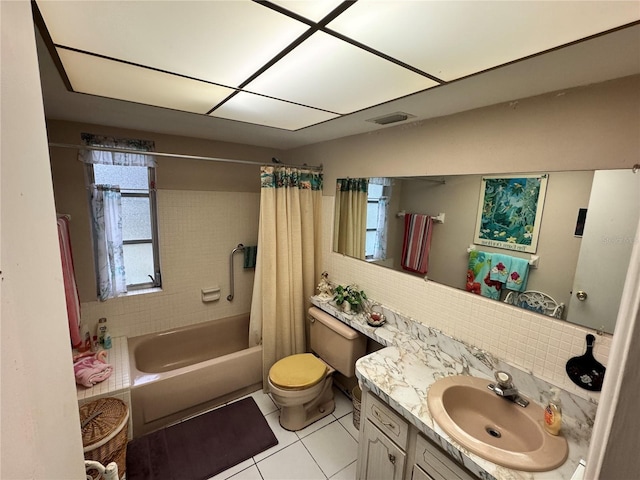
[(585, 371)]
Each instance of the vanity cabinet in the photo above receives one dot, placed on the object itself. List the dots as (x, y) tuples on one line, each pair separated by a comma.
[(383, 442), (392, 449)]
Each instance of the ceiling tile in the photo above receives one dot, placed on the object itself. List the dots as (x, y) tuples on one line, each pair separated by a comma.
[(107, 78), (453, 39), (313, 10), (251, 108), (326, 73), (221, 41)]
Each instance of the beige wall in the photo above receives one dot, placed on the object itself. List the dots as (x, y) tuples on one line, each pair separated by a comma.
[(205, 209), (586, 128), (40, 434)]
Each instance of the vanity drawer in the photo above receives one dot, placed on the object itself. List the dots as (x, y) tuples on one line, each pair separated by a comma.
[(389, 422), (437, 464)]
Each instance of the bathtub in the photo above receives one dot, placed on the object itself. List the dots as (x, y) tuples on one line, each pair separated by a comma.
[(184, 371)]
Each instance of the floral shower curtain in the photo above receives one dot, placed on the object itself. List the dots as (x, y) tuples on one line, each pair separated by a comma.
[(350, 224), (106, 212), (289, 245)]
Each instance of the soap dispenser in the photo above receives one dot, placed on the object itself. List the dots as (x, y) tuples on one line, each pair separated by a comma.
[(553, 413)]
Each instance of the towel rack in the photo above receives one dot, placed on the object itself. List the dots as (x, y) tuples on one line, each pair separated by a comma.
[(436, 218), (533, 260), (239, 248)]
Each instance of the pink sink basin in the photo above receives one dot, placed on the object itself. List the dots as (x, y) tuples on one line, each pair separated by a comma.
[(493, 427)]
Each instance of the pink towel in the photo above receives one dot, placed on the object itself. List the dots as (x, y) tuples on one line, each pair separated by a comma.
[(91, 368), (69, 277), (417, 242)]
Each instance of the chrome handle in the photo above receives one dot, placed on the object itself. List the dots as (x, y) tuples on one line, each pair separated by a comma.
[(581, 295), (392, 459)]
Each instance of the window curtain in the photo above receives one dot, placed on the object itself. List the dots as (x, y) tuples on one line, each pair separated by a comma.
[(380, 245), (117, 158), (106, 215), (289, 246), (106, 208), (350, 223)]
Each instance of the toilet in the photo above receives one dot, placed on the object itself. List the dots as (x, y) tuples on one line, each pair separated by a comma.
[(301, 384)]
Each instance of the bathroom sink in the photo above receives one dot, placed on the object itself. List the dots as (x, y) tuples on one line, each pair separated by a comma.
[(493, 427)]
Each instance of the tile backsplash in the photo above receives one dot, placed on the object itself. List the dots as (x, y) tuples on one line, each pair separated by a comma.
[(533, 342), (197, 232)]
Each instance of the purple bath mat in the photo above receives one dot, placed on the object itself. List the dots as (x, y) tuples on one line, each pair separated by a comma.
[(201, 447)]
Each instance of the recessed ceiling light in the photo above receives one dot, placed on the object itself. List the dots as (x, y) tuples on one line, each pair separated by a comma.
[(391, 118)]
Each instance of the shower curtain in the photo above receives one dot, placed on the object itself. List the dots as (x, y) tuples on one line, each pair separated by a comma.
[(350, 224), (289, 242)]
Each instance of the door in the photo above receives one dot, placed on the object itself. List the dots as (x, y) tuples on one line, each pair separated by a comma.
[(382, 459), (605, 250)]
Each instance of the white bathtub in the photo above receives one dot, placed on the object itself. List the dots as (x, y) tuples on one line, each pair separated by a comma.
[(180, 372)]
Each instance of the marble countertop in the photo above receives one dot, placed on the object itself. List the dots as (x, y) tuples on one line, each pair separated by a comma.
[(416, 356)]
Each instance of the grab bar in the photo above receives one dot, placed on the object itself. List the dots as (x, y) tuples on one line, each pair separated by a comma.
[(239, 248)]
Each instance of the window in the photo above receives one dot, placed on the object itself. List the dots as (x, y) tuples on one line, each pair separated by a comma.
[(136, 185), (378, 193)]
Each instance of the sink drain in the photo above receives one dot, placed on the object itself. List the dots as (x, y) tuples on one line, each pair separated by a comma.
[(493, 432)]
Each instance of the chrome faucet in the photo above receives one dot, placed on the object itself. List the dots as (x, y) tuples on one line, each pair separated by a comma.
[(506, 389)]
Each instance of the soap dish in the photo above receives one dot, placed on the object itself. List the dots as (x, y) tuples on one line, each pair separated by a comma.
[(375, 319)]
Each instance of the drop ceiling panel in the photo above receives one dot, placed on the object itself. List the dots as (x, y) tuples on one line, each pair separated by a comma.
[(251, 108), (326, 73), (221, 41), (453, 39), (313, 10), (107, 78)]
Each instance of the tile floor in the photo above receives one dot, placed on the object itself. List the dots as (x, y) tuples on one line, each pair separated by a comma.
[(326, 449)]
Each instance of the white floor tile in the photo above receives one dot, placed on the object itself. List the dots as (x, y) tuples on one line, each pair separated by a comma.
[(291, 463), (233, 470), (347, 422), (348, 473), (264, 402), (344, 405), (332, 448), (250, 473), (323, 422), (285, 437)]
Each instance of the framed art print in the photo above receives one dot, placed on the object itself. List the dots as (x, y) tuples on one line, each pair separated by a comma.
[(510, 211)]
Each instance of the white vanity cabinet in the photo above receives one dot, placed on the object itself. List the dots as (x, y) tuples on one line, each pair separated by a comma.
[(392, 449), (383, 441)]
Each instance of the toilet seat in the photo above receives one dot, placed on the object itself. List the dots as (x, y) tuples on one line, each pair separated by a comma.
[(298, 372)]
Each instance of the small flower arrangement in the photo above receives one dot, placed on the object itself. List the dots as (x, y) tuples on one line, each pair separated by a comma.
[(350, 294)]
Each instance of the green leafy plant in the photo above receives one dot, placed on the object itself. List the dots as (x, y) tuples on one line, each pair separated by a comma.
[(350, 294)]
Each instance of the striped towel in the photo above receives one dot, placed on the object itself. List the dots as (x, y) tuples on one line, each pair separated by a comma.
[(417, 242)]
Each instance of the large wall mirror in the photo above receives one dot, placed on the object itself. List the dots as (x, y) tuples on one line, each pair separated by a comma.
[(581, 263)]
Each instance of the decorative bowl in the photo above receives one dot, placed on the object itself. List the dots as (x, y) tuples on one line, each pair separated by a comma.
[(375, 319)]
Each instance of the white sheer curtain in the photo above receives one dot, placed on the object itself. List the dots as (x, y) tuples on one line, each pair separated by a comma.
[(289, 243), (114, 157), (106, 215)]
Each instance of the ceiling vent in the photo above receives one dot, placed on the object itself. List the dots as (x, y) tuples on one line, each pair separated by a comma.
[(391, 118)]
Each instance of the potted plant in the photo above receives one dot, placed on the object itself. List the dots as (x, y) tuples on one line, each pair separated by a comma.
[(349, 297)]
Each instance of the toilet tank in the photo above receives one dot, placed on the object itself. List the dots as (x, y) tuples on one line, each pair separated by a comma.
[(335, 342)]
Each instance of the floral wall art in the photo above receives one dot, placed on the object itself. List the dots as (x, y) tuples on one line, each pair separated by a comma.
[(510, 212)]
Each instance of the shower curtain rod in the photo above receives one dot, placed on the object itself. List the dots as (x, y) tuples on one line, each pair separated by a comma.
[(178, 155)]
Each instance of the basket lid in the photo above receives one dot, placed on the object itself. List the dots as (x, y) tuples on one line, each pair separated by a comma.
[(101, 419)]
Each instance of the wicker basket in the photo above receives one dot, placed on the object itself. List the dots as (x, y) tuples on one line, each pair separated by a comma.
[(356, 394), (104, 432)]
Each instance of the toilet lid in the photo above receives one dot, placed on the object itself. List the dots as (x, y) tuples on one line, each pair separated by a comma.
[(299, 371)]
